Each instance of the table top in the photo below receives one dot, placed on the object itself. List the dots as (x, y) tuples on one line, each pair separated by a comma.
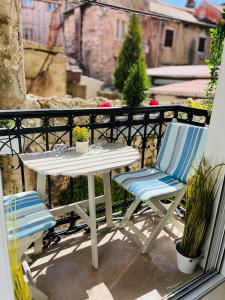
[(73, 164)]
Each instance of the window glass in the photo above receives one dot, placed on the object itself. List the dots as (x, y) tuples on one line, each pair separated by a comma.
[(201, 44), (51, 6), (169, 34), (120, 29), (28, 33), (27, 3)]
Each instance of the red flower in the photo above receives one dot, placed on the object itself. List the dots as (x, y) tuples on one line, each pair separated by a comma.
[(105, 104), (154, 102)]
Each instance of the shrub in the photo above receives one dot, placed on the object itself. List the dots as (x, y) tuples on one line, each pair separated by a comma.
[(131, 52), (134, 92)]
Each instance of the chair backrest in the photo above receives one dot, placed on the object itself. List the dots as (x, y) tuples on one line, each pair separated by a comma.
[(182, 149)]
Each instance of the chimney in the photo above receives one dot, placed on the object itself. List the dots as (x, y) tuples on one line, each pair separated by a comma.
[(191, 3)]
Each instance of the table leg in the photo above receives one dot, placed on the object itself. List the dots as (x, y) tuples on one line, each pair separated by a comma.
[(92, 212), (108, 198), (41, 189)]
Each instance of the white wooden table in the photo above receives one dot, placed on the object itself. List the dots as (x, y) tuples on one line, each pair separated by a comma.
[(72, 164)]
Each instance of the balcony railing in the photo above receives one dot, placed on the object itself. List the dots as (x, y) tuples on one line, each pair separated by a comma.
[(39, 130)]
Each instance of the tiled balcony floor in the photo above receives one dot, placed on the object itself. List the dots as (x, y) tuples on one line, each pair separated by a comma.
[(64, 271)]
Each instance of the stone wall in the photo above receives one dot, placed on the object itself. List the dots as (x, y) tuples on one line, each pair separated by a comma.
[(45, 70)]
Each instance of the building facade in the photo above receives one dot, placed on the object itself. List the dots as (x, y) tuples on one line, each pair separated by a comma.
[(181, 39), (94, 35)]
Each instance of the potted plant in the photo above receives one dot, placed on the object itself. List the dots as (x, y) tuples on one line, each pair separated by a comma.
[(201, 194), (81, 136)]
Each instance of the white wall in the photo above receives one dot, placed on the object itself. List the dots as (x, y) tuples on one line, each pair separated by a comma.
[(215, 146)]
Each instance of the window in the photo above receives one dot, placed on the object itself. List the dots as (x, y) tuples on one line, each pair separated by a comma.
[(27, 3), (52, 6), (169, 34), (28, 34), (201, 44), (120, 29)]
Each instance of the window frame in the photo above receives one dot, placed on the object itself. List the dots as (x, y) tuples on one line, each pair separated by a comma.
[(164, 39), (120, 29), (205, 40), (51, 6), (27, 3)]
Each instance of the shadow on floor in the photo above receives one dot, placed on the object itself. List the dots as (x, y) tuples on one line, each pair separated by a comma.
[(64, 271)]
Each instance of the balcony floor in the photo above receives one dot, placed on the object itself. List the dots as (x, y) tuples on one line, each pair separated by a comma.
[(64, 271)]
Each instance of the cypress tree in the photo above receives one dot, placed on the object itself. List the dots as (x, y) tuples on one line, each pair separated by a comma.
[(131, 52)]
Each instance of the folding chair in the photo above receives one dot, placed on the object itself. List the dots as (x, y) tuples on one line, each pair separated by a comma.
[(180, 153), (27, 218)]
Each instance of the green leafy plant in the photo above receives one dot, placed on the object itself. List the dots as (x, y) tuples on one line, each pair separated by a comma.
[(131, 52), (21, 290), (7, 123), (217, 36), (136, 85), (201, 194), (81, 134)]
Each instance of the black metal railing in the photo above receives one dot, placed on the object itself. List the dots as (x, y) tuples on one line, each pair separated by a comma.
[(39, 130)]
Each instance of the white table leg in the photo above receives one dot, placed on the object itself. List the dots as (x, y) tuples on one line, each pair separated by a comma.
[(92, 211), (41, 189), (108, 198)]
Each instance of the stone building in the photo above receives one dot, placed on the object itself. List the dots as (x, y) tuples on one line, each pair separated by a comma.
[(93, 35), (49, 23), (179, 38)]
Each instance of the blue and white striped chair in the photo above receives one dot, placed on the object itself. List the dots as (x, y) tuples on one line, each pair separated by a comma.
[(27, 218), (180, 153)]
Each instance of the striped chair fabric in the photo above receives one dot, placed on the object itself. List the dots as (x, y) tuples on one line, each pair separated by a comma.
[(181, 150), (26, 215)]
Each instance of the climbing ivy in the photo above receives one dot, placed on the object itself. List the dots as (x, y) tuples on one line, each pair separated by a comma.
[(217, 35)]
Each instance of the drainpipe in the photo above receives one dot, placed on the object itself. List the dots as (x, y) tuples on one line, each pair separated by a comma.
[(158, 44)]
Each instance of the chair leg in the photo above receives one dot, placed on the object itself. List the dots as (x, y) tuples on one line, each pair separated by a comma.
[(36, 293), (162, 223), (129, 213)]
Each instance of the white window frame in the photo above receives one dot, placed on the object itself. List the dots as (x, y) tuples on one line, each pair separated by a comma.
[(27, 3), (120, 29), (164, 37), (29, 29)]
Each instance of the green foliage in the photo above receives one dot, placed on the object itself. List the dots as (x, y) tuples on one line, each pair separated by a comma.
[(21, 290), (7, 123), (131, 52), (80, 191), (201, 194), (217, 35), (81, 134), (134, 91)]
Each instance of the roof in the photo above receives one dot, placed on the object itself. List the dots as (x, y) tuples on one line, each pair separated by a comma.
[(176, 12), (192, 88), (159, 9), (189, 72), (219, 7)]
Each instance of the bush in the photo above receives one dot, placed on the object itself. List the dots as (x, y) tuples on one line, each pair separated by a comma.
[(131, 52), (134, 92), (80, 191)]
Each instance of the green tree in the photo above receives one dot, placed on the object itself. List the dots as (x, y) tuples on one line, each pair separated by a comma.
[(131, 52), (217, 36), (136, 84)]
